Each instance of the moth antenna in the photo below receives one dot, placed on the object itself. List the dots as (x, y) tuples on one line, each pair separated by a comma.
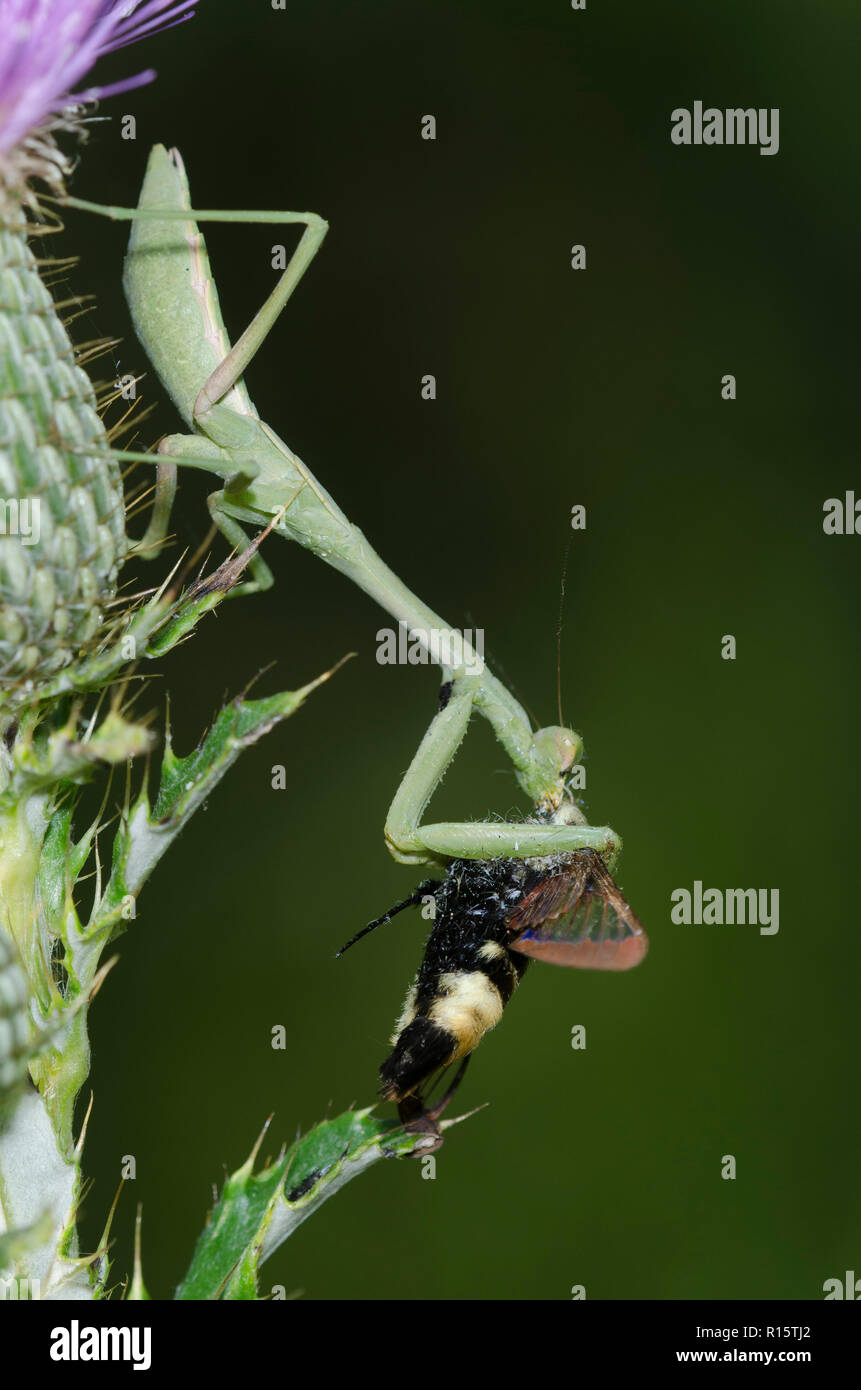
[(412, 901)]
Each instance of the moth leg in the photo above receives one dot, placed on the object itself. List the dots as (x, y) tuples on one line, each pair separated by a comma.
[(417, 1120), (440, 1106)]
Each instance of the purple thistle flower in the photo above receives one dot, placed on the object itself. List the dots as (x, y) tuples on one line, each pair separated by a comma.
[(48, 46)]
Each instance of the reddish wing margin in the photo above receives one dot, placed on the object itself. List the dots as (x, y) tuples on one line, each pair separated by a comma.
[(578, 918)]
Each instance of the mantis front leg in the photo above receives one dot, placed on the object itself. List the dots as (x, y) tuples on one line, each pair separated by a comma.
[(412, 842)]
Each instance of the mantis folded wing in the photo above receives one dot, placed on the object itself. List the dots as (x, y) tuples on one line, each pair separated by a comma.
[(176, 313)]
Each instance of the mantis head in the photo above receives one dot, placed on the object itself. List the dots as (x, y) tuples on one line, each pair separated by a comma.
[(554, 751)]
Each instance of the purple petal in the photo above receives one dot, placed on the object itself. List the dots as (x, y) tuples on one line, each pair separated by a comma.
[(48, 46)]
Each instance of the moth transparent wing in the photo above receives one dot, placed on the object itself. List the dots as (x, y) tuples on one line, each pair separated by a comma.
[(579, 919)]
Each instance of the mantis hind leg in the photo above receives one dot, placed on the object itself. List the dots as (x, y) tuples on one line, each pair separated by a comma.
[(165, 201), (231, 369)]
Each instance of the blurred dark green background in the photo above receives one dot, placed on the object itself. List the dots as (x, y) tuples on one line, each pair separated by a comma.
[(600, 1167)]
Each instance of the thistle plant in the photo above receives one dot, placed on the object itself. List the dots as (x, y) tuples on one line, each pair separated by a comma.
[(74, 642), (71, 645)]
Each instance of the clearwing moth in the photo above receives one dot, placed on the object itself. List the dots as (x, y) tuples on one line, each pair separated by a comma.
[(491, 918)]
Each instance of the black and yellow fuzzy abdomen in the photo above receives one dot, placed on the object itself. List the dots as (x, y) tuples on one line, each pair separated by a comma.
[(464, 982)]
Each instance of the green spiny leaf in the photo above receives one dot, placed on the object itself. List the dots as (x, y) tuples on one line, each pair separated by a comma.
[(258, 1211), (146, 831)]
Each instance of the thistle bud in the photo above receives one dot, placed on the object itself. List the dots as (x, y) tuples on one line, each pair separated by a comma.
[(62, 532)]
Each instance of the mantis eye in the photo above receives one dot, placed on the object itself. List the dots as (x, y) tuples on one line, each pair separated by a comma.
[(561, 747)]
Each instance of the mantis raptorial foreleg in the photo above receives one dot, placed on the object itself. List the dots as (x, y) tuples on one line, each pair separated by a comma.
[(410, 841), (175, 309)]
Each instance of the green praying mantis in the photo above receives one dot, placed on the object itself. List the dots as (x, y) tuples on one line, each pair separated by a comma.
[(175, 309)]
